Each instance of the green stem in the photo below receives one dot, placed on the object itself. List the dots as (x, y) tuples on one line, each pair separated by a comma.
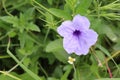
[(3, 2), (21, 65), (17, 64), (43, 70), (4, 45), (96, 57), (42, 7), (6, 73), (2, 37), (75, 71), (48, 30), (114, 55), (6, 56), (108, 54)]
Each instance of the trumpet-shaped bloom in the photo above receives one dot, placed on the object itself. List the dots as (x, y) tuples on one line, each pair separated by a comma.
[(77, 37)]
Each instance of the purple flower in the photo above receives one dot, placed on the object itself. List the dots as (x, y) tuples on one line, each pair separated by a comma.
[(77, 37)]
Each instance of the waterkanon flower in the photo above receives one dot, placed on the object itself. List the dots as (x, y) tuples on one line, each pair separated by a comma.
[(77, 36)]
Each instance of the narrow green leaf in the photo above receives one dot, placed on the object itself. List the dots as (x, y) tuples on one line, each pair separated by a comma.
[(60, 13), (5, 26)]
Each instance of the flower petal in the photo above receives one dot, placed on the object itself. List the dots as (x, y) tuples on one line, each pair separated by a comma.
[(90, 37), (66, 28), (73, 44), (82, 48), (86, 40), (79, 43), (70, 43), (81, 23)]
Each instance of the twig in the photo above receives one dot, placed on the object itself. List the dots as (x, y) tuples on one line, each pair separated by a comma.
[(109, 71)]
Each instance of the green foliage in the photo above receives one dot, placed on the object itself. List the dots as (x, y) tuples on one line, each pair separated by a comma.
[(108, 79), (67, 71), (60, 13), (83, 6), (31, 49), (58, 51)]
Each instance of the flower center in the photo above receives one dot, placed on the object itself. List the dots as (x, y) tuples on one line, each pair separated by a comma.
[(76, 33)]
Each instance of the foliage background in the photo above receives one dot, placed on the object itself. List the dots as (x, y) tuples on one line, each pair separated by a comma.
[(31, 49)]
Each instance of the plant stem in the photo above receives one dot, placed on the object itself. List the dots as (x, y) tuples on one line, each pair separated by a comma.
[(12, 76), (21, 65), (109, 71)]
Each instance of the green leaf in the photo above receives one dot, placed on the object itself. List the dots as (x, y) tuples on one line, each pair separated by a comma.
[(110, 34), (102, 28), (5, 26), (60, 13), (71, 4), (36, 77), (68, 69), (22, 37), (116, 72), (51, 58), (50, 2), (94, 69), (26, 76), (9, 19), (117, 45), (67, 8), (50, 21), (27, 46), (61, 55), (26, 61), (57, 49), (29, 14), (32, 27), (52, 78), (54, 46), (83, 6), (82, 70), (97, 25), (58, 72), (49, 17), (100, 55), (28, 49), (12, 34)]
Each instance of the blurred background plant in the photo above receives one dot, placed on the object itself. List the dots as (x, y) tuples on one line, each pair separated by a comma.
[(31, 49)]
